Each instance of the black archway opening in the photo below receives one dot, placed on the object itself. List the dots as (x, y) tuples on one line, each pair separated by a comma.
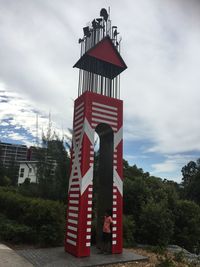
[(103, 178)]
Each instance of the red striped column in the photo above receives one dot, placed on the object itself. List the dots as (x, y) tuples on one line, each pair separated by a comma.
[(90, 110)]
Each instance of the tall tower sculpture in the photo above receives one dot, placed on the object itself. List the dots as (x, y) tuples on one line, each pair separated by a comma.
[(97, 109)]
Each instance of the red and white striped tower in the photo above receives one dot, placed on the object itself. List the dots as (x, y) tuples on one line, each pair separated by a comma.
[(97, 106)]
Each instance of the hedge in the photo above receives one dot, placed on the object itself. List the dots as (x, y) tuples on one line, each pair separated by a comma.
[(43, 220)]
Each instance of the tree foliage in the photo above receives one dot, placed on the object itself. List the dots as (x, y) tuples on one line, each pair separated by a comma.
[(191, 181), (187, 224)]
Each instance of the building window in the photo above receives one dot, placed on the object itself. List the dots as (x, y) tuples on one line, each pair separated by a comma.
[(22, 172)]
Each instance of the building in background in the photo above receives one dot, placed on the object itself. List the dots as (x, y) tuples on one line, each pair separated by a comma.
[(27, 169), (12, 154)]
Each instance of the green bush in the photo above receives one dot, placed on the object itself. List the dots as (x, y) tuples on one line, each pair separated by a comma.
[(128, 231), (156, 225), (187, 225), (16, 233), (44, 219)]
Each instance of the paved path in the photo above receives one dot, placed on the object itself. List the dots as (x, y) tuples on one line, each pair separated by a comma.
[(57, 257), (9, 258)]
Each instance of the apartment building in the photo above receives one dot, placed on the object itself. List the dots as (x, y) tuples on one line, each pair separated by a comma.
[(12, 153)]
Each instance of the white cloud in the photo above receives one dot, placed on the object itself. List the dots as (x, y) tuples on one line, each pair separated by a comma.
[(20, 114), (160, 88), (172, 164)]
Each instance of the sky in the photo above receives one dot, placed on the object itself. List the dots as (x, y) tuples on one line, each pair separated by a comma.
[(160, 88)]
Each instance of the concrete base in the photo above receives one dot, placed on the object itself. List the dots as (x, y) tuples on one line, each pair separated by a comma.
[(52, 257)]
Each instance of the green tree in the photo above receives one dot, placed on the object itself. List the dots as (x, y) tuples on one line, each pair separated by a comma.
[(187, 224), (191, 181), (53, 170), (156, 224)]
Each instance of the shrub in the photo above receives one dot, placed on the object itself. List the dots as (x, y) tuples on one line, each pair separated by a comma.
[(128, 231), (156, 225), (44, 219), (187, 221), (15, 233)]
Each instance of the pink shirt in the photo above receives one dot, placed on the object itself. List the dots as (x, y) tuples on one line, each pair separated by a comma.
[(106, 224)]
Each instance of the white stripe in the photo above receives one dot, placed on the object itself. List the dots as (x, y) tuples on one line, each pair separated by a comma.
[(114, 202), (72, 228), (89, 209), (118, 137), (114, 215), (87, 244), (114, 209), (114, 196), (73, 208), (88, 236), (89, 202), (114, 161), (79, 158), (114, 242), (73, 201), (114, 229), (90, 189), (78, 121), (89, 195), (74, 195), (104, 121), (78, 132), (73, 153), (76, 176), (102, 105), (86, 180), (75, 183), (88, 230), (115, 156), (75, 215), (79, 106), (105, 111), (72, 221), (91, 158), (71, 242), (104, 116), (78, 116), (114, 235), (94, 124), (72, 235), (89, 216), (114, 129), (91, 164), (114, 190), (74, 189), (118, 181), (78, 126), (89, 131), (114, 222), (89, 222), (91, 146)]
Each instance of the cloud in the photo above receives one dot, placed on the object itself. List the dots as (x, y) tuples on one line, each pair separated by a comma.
[(162, 82), (18, 119), (160, 88), (171, 164)]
